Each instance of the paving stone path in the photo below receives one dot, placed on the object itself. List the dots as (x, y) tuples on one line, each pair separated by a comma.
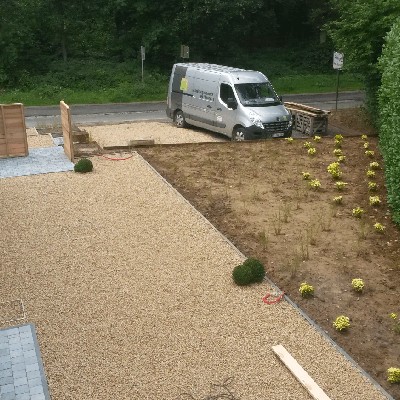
[(21, 369)]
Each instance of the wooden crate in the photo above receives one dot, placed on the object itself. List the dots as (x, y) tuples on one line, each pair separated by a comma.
[(13, 138), (308, 120)]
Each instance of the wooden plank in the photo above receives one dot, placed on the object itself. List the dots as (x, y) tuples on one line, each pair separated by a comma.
[(67, 130), (300, 374)]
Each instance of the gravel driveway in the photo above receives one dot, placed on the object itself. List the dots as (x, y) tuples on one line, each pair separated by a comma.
[(131, 293)]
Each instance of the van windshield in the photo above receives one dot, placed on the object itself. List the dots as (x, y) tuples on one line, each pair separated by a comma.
[(257, 94)]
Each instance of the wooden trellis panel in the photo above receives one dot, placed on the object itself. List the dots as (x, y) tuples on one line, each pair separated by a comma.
[(67, 130), (13, 138)]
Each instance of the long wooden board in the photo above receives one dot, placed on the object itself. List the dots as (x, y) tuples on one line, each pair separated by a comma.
[(13, 138), (300, 374), (67, 130)]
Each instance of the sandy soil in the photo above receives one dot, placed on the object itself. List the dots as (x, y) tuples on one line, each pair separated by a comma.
[(131, 293)]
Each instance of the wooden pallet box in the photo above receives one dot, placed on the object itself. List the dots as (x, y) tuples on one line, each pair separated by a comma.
[(13, 137)]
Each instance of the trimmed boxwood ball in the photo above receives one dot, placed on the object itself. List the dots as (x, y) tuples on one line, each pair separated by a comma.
[(250, 271), (257, 269), (83, 165), (242, 275)]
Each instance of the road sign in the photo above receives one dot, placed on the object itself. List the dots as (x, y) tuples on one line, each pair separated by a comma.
[(184, 51), (338, 60)]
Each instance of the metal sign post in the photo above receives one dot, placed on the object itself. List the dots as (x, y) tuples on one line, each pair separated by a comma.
[(338, 65), (143, 57)]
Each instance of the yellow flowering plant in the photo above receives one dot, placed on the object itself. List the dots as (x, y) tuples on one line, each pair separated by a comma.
[(379, 227), (357, 284), (289, 139), (311, 151), (306, 290), (341, 323), (334, 170), (341, 158), (369, 153), (338, 152), (306, 175), (393, 375), (396, 326), (340, 185), (357, 212), (370, 173), (374, 200), (364, 137), (338, 199), (315, 184), (374, 165), (366, 145), (307, 145), (317, 138), (372, 186)]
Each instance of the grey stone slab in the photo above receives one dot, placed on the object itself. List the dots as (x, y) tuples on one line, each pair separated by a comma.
[(4, 352), (30, 360), (15, 346), (19, 374), (14, 353), (3, 340), (6, 372), (39, 161), (36, 390), (25, 328), (23, 396), (29, 353), (6, 365), (6, 381), (12, 331), (21, 389), (28, 346), (39, 396), (32, 367), (18, 367), (34, 382), (33, 374), (26, 335), (5, 359), (21, 381), (18, 360), (7, 388), (8, 396)]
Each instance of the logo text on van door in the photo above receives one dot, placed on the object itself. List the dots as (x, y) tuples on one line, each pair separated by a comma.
[(204, 95)]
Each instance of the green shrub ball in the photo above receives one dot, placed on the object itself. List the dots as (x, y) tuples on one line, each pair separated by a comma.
[(250, 271), (242, 275), (257, 269), (84, 165)]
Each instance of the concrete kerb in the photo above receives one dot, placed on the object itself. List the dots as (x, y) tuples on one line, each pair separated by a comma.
[(275, 287)]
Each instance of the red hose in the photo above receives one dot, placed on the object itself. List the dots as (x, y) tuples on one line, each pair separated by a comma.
[(274, 301)]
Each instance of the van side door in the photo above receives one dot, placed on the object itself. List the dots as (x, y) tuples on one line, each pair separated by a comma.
[(226, 108)]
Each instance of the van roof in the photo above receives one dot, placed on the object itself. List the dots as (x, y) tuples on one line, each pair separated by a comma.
[(239, 73)]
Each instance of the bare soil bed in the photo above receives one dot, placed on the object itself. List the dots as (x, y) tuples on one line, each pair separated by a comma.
[(255, 194)]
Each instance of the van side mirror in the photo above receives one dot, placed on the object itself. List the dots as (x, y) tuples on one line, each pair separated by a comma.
[(280, 99), (232, 103)]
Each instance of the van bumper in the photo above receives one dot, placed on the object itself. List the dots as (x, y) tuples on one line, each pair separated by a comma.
[(254, 132)]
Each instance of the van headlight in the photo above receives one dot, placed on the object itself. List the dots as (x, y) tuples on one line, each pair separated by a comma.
[(257, 122)]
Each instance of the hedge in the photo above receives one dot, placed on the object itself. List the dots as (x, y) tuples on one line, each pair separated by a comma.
[(389, 117)]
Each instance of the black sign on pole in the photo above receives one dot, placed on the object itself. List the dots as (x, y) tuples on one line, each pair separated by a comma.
[(184, 51)]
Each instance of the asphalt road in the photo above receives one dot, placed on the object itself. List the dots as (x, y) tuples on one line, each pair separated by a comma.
[(102, 114)]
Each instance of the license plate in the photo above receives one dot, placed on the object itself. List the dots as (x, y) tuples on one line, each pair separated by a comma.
[(278, 134)]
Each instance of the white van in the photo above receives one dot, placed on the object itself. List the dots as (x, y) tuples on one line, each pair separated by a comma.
[(238, 103)]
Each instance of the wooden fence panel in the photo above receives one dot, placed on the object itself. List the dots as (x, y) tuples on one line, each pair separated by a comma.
[(13, 138), (67, 130)]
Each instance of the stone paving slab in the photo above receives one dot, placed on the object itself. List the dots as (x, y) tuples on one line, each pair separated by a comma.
[(22, 374), (39, 161)]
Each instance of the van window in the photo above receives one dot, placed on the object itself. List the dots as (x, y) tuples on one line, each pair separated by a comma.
[(257, 94), (226, 93)]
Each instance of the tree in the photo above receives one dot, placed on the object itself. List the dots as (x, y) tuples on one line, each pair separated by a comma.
[(359, 32)]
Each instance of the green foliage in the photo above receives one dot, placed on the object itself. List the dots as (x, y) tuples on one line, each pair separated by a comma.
[(389, 117), (83, 165), (393, 375), (257, 269), (250, 271), (242, 275), (359, 33)]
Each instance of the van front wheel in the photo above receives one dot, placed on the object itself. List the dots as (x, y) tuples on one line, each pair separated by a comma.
[(179, 119), (239, 134)]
